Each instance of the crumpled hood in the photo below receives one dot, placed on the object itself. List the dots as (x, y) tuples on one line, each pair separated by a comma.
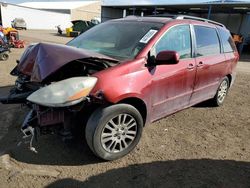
[(43, 59)]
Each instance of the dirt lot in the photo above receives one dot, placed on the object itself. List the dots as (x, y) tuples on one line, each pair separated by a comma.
[(197, 147)]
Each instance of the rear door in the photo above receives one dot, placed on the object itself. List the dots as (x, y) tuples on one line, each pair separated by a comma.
[(210, 62), (172, 85)]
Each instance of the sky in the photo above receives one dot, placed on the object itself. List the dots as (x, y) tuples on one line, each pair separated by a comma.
[(124, 1), (22, 1)]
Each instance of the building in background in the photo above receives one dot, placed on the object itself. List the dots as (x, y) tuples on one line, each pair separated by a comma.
[(46, 15), (34, 18), (234, 14), (78, 10)]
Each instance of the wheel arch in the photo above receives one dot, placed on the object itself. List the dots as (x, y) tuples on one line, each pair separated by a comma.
[(229, 76), (139, 104)]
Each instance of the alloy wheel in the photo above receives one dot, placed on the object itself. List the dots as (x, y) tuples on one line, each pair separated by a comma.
[(118, 133), (222, 92)]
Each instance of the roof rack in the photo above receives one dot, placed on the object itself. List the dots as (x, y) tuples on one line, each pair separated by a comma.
[(180, 17)]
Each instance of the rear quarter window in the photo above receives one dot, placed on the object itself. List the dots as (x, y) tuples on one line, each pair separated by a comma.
[(227, 41), (207, 41)]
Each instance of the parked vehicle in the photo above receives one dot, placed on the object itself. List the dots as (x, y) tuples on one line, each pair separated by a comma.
[(19, 23), (13, 39), (122, 74)]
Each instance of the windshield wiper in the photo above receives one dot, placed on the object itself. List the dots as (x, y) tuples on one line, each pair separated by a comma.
[(106, 62), (99, 62)]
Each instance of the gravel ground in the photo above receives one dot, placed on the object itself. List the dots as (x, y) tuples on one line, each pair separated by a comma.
[(197, 147)]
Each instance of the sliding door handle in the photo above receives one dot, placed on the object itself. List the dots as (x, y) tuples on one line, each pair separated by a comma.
[(200, 64)]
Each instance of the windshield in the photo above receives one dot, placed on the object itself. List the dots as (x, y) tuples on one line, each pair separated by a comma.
[(120, 40), (19, 20)]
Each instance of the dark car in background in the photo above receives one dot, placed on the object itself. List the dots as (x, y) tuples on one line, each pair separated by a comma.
[(122, 74), (19, 23)]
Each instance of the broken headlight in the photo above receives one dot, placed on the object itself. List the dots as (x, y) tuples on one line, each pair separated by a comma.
[(64, 93)]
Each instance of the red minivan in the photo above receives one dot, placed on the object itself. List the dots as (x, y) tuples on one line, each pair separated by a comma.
[(120, 75)]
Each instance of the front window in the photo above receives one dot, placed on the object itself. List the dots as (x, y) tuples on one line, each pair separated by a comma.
[(120, 40), (20, 20), (177, 39)]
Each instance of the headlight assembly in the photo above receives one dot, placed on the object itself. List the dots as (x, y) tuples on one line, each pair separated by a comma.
[(64, 93)]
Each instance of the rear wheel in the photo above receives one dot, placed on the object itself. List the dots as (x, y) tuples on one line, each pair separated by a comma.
[(114, 131), (221, 93)]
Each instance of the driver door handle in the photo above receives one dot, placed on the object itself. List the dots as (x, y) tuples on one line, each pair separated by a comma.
[(190, 66)]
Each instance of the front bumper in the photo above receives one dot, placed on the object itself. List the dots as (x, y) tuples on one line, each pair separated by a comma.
[(15, 98), (49, 116)]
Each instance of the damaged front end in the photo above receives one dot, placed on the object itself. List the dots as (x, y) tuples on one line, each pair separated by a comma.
[(44, 63), (55, 82)]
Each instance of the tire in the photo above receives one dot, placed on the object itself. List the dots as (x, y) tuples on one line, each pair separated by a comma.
[(120, 138), (4, 56), (221, 93)]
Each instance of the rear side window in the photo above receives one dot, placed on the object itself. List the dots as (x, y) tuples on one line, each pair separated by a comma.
[(227, 41), (207, 41)]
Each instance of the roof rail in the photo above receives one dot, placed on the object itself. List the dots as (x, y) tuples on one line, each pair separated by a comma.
[(173, 16), (131, 16), (179, 17)]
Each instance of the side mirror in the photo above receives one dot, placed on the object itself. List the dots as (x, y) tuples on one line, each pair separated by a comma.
[(167, 57)]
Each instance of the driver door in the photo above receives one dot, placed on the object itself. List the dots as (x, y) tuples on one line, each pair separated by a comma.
[(173, 84)]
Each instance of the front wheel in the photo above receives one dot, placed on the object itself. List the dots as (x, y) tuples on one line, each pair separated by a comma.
[(114, 131), (221, 92)]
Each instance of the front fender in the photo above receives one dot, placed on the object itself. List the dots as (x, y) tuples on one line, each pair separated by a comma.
[(128, 80)]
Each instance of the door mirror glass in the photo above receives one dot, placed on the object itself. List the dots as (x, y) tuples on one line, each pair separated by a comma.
[(167, 57)]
